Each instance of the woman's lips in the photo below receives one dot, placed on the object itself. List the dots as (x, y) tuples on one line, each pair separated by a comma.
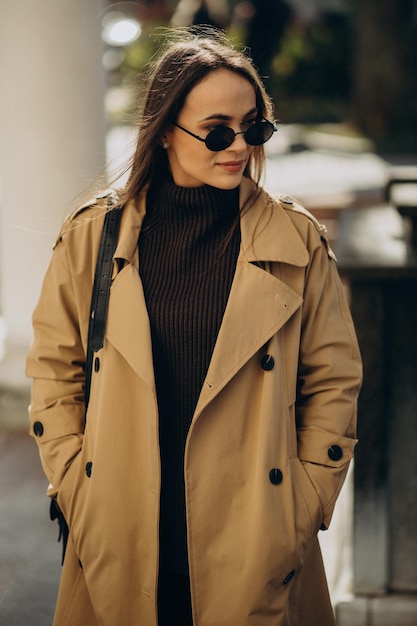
[(232, 166)]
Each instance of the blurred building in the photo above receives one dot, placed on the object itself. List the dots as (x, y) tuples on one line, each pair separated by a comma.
[(52, 133)]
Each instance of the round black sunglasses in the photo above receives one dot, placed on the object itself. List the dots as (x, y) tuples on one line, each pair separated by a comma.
[(221, 137)]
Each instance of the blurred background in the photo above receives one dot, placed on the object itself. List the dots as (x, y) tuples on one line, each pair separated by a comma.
[(323, 61), (343, 78), (342, 75)]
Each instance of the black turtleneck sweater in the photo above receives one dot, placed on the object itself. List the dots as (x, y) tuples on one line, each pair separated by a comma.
[(188, 249)]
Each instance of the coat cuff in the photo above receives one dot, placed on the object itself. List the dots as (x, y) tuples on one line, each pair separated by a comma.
[(324, 448)]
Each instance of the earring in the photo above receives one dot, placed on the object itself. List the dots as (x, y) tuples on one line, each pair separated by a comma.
[(165, 145)]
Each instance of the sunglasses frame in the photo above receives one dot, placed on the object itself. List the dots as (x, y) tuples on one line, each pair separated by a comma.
[(272, 125)]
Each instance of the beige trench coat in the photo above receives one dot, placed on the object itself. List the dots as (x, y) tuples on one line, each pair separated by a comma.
[(267, 451)]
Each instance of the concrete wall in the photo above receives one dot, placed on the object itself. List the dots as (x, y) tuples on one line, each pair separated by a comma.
[(52, 138)]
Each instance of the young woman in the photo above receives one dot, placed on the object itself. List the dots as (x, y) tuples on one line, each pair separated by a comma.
[(222, 412)]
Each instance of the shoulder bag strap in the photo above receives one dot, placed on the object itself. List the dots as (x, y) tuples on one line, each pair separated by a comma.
[(101, 291), (96, 325)]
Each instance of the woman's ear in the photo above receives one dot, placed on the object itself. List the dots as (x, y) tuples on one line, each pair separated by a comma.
[(164, 140)]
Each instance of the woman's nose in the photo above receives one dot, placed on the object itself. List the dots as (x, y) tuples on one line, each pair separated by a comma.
[(239, 141)]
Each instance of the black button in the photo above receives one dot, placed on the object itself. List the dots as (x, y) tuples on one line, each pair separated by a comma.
[(96, 364), (275, 476), (267, 362), (89, 468), (335, 453), (38, 429), (288, 577)]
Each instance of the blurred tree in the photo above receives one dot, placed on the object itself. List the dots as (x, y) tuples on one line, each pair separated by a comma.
[(311, 75), (211, 12), (384, 94), (265, 30)]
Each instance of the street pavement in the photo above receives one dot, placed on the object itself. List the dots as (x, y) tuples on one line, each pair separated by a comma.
[(29, 553)]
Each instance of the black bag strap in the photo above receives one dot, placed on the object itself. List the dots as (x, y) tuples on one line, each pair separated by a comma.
[(96, 325), (101, 292)]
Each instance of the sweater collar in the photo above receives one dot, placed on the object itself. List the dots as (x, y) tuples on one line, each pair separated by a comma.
[(177, 205)]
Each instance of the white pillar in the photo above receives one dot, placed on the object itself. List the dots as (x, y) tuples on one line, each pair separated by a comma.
[(52, 138)]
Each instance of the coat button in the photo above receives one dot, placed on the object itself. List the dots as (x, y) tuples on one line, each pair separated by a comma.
[(335, 453), (275, 476), (288, 577), (89, 468), (267, 362), (38, 429), (96, 364)]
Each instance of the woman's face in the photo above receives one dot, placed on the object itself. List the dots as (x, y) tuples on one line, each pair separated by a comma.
[(221, 98)]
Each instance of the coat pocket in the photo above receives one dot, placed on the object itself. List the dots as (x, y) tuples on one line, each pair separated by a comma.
[(308, 510), (72, 495)]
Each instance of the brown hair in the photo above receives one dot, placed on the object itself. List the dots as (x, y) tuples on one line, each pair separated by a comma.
[(187, 57)]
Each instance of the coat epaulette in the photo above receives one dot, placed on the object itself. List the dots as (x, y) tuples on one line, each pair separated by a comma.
[(290, 204), (101, 201)]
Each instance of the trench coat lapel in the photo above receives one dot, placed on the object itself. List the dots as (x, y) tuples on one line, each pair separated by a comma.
[(128, 328), (258, 306), (259, 303)]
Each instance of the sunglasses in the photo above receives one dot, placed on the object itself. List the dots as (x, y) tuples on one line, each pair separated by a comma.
[(221, 137)]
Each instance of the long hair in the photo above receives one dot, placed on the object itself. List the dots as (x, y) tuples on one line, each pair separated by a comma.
[(186, 58)]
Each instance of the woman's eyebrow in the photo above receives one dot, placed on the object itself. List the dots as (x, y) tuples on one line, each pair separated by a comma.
[(226, 118)]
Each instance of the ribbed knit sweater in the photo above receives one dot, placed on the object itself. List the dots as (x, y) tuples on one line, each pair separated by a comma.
[(188, 249)]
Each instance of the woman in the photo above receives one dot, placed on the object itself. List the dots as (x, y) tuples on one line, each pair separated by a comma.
[(221, 419)]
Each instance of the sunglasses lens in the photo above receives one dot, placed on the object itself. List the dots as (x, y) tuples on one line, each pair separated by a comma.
[(259, 133), (220, 138)]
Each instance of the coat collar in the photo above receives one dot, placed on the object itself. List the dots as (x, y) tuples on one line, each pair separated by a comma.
[(131, 222), (259, 303), (267, 232)]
